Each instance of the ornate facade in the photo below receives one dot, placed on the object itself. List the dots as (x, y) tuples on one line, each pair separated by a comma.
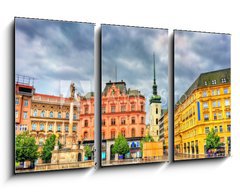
[(206, 105), (123, 112)]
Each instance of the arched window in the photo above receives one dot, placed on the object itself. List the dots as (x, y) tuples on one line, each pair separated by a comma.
[(43, 113), (50, 126), (59, 115), (123, 132), (156, 110), (112, 134), (133, 132), (74, 116), (51, 114), (41, 127), (59, 127), (156, 121), (34, 126), (35, 113), (74, 128), (66, 128), (67, 115)]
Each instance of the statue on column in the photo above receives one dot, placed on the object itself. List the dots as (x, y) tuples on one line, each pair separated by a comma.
[(72, 90)]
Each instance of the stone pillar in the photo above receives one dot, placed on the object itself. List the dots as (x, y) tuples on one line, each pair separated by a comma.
[(108, 150), (69, 136)]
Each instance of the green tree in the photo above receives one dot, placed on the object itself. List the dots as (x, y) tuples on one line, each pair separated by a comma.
[(120, 145), (88, 151), (48, 148), (147, 138), (213, 140), (26, 148)]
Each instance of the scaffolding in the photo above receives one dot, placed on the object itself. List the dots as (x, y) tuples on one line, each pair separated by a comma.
[(25, 80)]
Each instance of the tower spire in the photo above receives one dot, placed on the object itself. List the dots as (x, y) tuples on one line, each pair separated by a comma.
[(154, 77)]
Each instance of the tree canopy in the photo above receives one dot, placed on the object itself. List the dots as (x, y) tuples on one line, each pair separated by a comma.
[(213, 140), (88, 151), (48, 147), (120, 146), (26, 148)]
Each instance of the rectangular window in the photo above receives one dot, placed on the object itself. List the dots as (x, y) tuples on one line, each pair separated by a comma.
[(25, 103), (24, 115), (66, 128), (16, 114), (229, 128), (142, 107), (142, 119), (103, 109), (113, 109), (227, 103), (218, 92), (17, 101), (228, 114), (225, 91), (220, 129), (123, 108), (204, 93), (123, 122), (132, 107), (206, 130), (133, 120), (216, 129), (206, 117), (219, 115), (86, 109), (215, 116), (113, 122), (103, 122), (205, 105), (214, 103)]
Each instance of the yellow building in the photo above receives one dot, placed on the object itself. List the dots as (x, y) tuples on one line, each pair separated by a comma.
[(205, 105)]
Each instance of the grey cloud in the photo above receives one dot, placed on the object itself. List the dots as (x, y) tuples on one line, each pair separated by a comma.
[(131, 50), (196, 53), (54, 50)]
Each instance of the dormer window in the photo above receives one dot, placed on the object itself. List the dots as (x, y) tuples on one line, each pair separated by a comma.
[(205, 82), (214, 82), (223, 80)]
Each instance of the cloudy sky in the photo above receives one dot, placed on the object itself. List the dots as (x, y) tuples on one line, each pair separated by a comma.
[(131, 50), (195, 53), (56, 53)]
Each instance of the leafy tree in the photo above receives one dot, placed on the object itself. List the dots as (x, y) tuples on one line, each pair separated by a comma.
[(120, 145), (147, 138), (88, 151), (26, 148), (213, 140), (48, 148)]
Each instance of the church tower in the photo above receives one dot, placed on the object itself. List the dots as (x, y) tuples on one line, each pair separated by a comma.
[(155, 108)]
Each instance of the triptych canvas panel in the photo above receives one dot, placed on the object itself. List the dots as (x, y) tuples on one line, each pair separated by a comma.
[(55, 100)]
